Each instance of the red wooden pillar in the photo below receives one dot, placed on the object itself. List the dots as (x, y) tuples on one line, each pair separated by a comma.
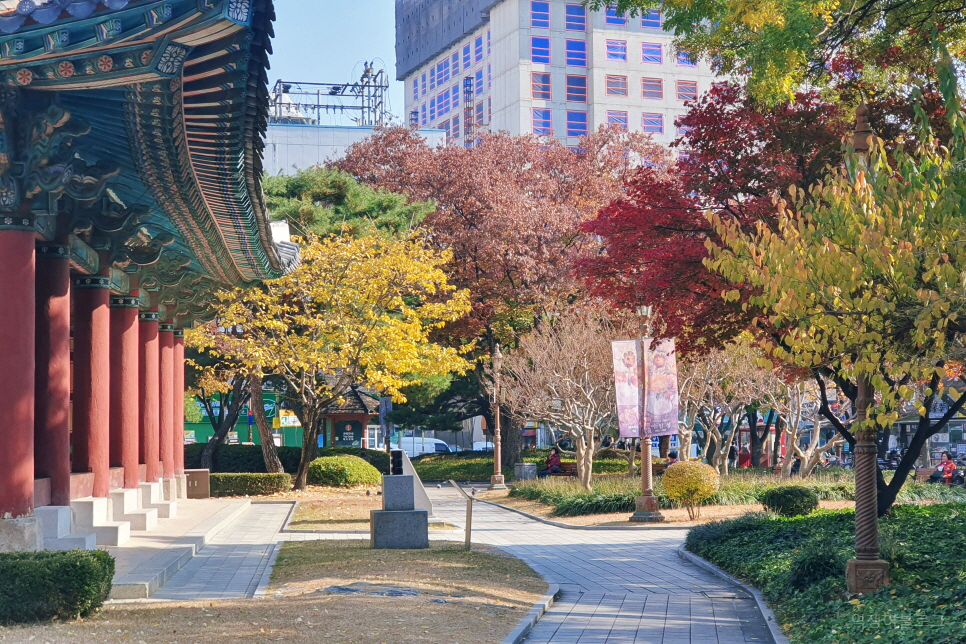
[(179, 401), (166, 382), (17, 334), (92, 374), (149, 393), (52, 381), (125, 410)]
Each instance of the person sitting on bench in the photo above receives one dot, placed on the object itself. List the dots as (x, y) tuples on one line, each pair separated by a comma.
[(551, 465)]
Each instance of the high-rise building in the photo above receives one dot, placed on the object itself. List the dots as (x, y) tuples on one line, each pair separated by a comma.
[(547, 67)]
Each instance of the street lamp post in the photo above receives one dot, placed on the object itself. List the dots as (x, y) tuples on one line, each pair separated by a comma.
[(867, 572), (496, 481), (646, 509)]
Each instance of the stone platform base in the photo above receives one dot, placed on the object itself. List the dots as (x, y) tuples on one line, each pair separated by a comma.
[(866, 576), (398, 529), (646, 510), (21, 535)]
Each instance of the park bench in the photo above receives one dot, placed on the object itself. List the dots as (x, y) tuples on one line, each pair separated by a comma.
[(923, 473), (566, 469)]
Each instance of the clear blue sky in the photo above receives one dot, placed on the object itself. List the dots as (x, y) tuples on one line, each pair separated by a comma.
[(326, 41)]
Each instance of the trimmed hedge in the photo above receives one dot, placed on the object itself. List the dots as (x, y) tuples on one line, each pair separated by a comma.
[(249, 459), (343, 471), (38, 586), (249, 484), (790, 501)]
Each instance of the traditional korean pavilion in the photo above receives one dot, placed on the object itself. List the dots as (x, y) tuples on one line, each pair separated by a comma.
[(130, 158)]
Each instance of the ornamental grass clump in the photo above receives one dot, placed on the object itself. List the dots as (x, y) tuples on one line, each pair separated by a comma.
[(689, 483)]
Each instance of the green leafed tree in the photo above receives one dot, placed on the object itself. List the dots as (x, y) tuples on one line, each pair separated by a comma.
[(325, 201), (861, 279), (777, 45)]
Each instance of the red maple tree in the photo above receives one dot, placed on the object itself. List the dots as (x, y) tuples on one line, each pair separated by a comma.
[(737, 160), (509, 208)]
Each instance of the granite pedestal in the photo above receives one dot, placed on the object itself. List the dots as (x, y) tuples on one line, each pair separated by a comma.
[(398, 525)]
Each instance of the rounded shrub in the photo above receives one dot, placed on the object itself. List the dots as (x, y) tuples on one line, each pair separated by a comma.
[(689, 483), (790, 500), (343, 471)]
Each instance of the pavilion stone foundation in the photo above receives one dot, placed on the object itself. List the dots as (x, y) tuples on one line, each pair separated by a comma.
[(23, 534), (399, 525)]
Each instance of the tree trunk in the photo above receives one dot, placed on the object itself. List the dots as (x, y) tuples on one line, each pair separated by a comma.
[(272, 463), (777, 446), (227, 417), (511, 440), (758, 439), (585, 462), (310, 446)]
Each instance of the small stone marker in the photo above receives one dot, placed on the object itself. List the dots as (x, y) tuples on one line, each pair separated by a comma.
[(399, 525)]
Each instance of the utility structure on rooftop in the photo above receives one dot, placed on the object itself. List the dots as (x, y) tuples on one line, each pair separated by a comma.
[(303, 103)]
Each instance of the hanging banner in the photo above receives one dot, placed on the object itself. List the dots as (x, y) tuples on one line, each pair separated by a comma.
[(627, 381), (660, 389)]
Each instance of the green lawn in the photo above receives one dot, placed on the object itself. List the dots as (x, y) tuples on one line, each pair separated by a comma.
[(799, 564), (617, 493), (478, 466)]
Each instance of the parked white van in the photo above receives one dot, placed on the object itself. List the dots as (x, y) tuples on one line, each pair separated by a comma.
[(416, 445)]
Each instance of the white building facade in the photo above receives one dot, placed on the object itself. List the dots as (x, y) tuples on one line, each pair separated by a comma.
[(546, 67)]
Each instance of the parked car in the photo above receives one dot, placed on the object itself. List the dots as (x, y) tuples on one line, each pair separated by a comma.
[(416, 445), (482, 446)]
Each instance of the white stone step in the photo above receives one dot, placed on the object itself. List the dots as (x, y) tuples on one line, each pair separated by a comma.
[(169, 488), (151, 497), (91, 514), (125, 507)]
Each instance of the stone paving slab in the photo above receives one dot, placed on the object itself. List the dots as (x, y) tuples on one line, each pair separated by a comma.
[(617, 587), (149, 559), (233, 562)]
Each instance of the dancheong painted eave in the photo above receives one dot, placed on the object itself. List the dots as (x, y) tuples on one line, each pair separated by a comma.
[(172, 97)]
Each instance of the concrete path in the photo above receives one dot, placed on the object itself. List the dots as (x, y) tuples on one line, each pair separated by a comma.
[(618, 586), (232, 563)]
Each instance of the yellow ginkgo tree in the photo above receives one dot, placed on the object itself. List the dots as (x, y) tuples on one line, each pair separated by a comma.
[(863, 279), (356, 311)]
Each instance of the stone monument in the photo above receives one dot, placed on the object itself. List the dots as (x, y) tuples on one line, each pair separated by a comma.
[(399, 525)]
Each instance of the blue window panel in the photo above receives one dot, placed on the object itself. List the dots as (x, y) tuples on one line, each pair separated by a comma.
[(479, 112), (540, 14), (467, 61), (576, 53), (540, 49), (479, 82), (611, 17), (653, 123), (651, 18), (487, 42), (415, 89), (576, 123), (455, 62), (489, 76), (424, 85), (685, 60), (617, 50), (422, 111), (617, 119), (432, 77), (456, 127), (541, 122), (455, 93), (577, 89), (442, 72), (651, 53), (432, 109), (478, 49), (575, 17)]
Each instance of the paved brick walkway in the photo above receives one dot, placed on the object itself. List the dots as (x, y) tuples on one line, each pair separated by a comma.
[(232, 563), (618, 586)]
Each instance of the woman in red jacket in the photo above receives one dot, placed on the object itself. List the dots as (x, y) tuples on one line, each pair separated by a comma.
[(947, 467)]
